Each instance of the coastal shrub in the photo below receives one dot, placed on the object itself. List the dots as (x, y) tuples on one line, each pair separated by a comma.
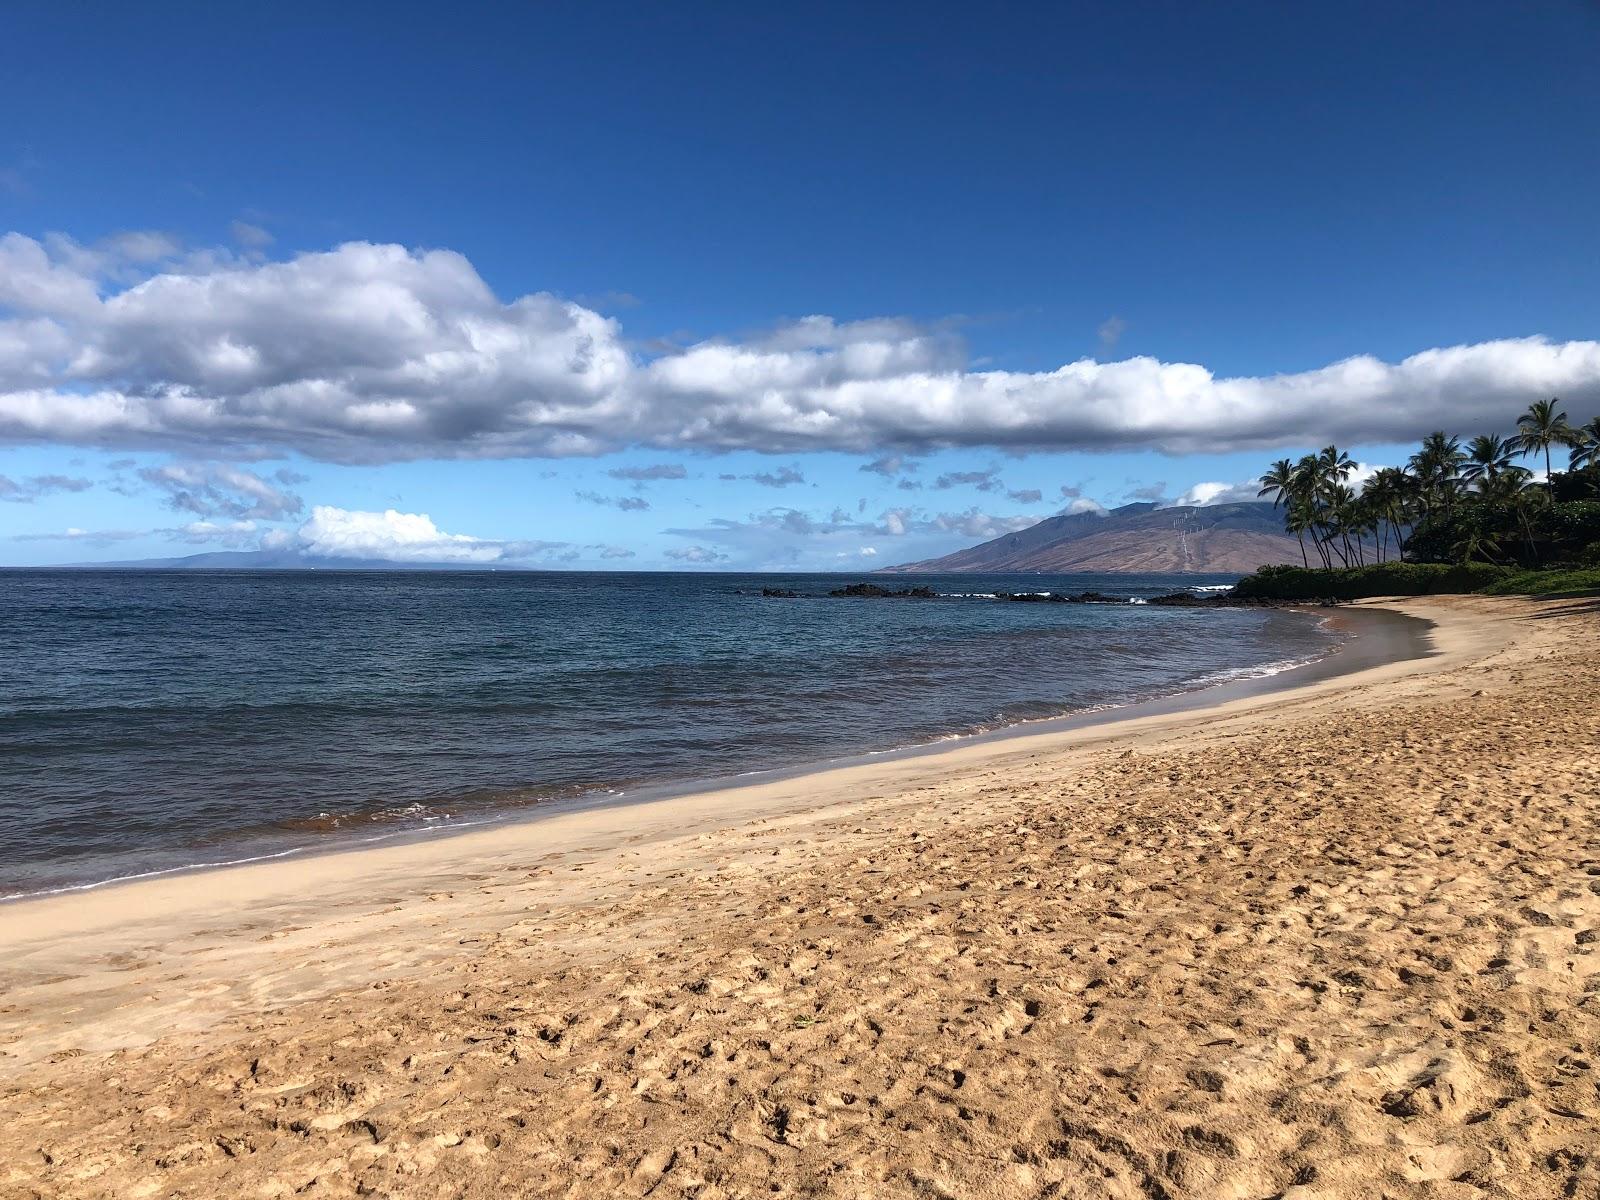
[(1573, 582), (1565, 486), (1569, 527), (1374, 579), (1542, 536)]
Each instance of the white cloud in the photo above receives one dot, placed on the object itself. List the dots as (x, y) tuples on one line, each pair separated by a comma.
[(220, 489), (975, 524), (372, 352), (1357, 479), (1085, 504), (697, 555), (1212, 492), (398, 537)]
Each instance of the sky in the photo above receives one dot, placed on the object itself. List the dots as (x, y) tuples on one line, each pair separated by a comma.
[(604, 286)]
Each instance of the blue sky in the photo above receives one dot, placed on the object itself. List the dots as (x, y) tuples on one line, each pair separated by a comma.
[(625, 286)]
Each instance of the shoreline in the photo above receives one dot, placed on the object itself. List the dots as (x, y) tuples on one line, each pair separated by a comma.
[(59, 935), (1325, 940), (1398, 638)]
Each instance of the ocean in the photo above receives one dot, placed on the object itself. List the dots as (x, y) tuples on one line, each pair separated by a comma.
[(153, 721)]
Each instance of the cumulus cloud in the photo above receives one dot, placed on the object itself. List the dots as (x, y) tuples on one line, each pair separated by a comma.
[(697, 555), (1211, 492), (400, 537), (338, 533), (624, 503), (369, 353), (975, 524), (222, 490), (1085, 504), (1025, 496), (1150, 491), (26, 491), (1110, 332)]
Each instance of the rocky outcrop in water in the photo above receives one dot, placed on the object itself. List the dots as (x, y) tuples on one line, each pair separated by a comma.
[(871, 591)]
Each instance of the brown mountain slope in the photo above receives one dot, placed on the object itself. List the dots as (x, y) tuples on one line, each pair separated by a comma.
[(1220, 538)]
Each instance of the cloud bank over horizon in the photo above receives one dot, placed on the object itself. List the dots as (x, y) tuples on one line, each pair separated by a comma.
[(341, 533), (375, 353)]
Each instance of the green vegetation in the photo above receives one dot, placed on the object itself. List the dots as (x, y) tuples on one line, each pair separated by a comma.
[(1374, 579), (1579, 581), (1453, 519)]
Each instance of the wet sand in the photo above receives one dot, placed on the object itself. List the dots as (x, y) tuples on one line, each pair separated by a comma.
[(1336, 940)]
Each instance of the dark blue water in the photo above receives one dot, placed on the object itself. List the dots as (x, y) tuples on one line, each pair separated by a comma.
[(152, 720)]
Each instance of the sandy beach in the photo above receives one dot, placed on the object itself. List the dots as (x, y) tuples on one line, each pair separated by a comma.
[(1341, 940)]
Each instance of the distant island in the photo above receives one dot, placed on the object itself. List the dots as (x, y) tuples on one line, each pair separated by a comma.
[(1147, 538)]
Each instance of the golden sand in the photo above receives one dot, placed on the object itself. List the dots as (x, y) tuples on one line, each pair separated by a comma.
[(1343, 941)]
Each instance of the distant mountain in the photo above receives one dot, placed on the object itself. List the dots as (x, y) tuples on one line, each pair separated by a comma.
[(1219, 538), (278, 560)]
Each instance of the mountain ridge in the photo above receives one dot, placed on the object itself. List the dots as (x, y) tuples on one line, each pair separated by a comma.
[(1144, 537)]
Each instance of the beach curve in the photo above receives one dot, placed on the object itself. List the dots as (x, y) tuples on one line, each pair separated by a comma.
[(1158, 952)]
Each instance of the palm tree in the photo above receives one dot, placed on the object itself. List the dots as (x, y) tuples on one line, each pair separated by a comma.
[(1364, 521), (1475, 541), (1511, 493), (1279, 481), (1387, 493), (1335, 465), (1488, 455), (1585, 446), (1342, 518), (1437, 466), (1542, 427), (1298, 520)]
